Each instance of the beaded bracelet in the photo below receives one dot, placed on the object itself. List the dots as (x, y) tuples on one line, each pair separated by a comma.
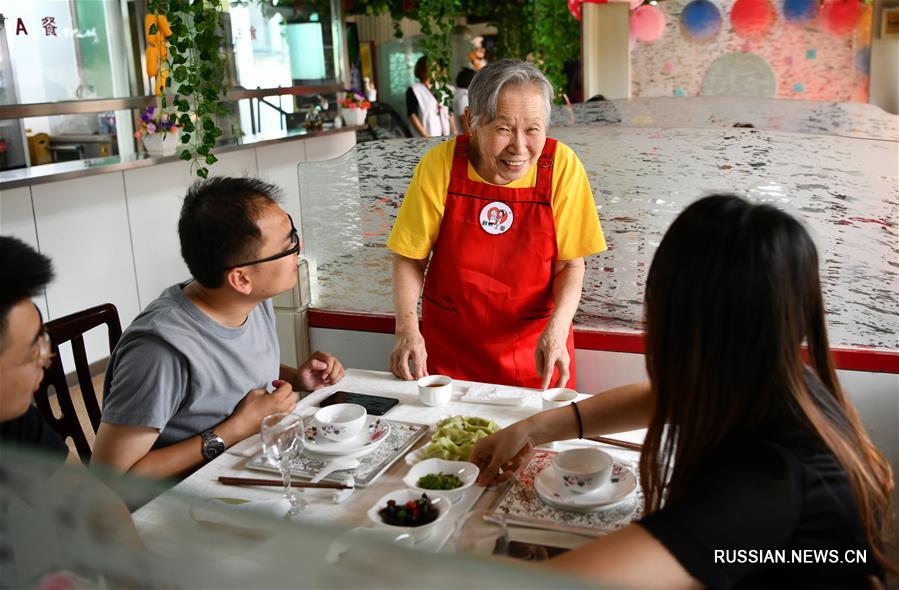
[(580, 423)]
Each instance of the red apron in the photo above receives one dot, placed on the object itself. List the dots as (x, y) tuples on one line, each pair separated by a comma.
[(488, 290)]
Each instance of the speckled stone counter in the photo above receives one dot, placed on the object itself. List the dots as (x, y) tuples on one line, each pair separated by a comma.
[(844, 188), (848, 119)]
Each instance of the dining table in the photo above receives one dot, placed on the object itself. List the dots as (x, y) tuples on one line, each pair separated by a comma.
[(472, 532)]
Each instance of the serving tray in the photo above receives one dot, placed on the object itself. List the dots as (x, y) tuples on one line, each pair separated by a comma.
[(403, 435)]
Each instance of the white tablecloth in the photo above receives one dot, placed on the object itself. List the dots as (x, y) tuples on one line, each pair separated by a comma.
[(155, 518)]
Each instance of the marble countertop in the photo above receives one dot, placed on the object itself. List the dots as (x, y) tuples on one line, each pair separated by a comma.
[(843, 187)]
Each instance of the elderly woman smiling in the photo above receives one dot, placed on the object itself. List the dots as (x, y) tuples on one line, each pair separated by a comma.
[(502, 220)]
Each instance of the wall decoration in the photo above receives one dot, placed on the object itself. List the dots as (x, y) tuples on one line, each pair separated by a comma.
[(840, 17), (648, 23), (826, 65), (739, 74), (701, 19), (800, 12), (752, 19)]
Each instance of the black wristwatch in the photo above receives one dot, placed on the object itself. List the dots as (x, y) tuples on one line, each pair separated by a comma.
[(213, 444)]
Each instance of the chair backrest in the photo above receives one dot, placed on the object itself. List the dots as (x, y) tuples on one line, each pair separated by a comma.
[(71, 329)]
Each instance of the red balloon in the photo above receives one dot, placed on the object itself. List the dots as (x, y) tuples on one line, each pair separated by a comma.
[(840, 17), (574, 7), (647, 23), (752, 19)]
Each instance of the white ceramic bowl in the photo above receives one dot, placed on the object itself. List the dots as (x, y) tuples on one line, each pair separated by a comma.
[(557, 397), (467, 472), (435, 390), (582, 470), (418, 533), (341, 421)]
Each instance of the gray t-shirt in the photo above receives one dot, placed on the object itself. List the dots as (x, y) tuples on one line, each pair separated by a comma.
[(177, 370)]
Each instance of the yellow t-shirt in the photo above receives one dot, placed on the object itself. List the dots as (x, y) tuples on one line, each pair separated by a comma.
[(578, 232)]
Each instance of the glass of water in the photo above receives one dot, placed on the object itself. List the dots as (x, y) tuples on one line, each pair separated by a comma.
[(282, 442)]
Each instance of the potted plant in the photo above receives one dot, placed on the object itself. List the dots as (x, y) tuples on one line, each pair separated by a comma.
[(355, 107), (158, 132)]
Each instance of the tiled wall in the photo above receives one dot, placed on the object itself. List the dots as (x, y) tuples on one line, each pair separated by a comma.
[(806, 61)]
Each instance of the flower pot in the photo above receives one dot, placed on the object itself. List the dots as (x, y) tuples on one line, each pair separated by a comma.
[(354, 116), (158, 145)]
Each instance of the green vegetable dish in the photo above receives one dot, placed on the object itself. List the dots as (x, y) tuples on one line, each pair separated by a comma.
[(457, 435), (439, 481)]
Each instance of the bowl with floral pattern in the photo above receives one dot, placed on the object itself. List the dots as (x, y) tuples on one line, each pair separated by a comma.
[(582, 470), (340, 422)]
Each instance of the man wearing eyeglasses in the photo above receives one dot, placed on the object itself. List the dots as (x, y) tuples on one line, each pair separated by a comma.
[(191, 375), (24, 348)]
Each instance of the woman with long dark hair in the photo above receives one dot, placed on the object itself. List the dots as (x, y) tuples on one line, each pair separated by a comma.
[(749, 447)]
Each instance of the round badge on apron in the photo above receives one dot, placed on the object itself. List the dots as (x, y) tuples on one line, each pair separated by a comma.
[(496, 218)]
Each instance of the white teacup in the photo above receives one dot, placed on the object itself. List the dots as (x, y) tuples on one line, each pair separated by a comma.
[(435, 390), (558, 397), (582, 470), (340, 422)]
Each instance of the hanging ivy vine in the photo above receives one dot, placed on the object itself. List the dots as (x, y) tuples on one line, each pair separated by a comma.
[(438, 19), (196, 71), (542, 27), (557, 38)]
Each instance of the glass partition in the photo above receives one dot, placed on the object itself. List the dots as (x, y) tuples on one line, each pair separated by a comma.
[(64, 528)]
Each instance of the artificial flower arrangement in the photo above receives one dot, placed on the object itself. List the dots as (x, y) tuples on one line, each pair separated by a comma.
[(156, 121), (354, 99)]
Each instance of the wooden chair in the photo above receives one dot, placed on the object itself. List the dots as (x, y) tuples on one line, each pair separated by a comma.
[(71, 329)]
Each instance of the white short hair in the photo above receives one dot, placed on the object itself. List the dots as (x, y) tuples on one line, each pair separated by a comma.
[(489, 81)]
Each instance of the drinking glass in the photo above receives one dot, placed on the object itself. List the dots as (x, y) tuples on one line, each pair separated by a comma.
[(282, 442)]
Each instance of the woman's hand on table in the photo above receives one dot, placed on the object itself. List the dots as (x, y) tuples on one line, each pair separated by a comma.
[(410, 346), (552, 352), (499, 455)]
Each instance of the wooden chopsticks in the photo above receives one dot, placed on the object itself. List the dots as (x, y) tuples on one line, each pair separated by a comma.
[(616, 442), (251, 481)]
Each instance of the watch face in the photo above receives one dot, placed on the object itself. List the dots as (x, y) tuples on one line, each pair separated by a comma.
[(213, 448)]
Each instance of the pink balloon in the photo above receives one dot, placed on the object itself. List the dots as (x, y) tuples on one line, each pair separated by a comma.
[(648, 23), (634, 4)]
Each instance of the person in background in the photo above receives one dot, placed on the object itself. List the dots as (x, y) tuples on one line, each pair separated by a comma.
[(502, 220), (190, 376), (460, 98), (429, 118), (748, 447)]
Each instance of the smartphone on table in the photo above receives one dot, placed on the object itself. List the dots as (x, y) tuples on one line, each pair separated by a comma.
[(375, 405)]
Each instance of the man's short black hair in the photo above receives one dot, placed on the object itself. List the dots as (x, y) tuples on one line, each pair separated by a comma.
[(24, 272), (464, 78), (218, 227)]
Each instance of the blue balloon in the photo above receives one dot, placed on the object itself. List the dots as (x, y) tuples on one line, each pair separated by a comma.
[(800, 11), (701, 19), (863, 60)]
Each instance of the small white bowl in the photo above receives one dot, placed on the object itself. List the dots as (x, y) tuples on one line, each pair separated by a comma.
[(341, 421), (467, 472), (582, 470), (418, 533), (435, 390), (557, 397)]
